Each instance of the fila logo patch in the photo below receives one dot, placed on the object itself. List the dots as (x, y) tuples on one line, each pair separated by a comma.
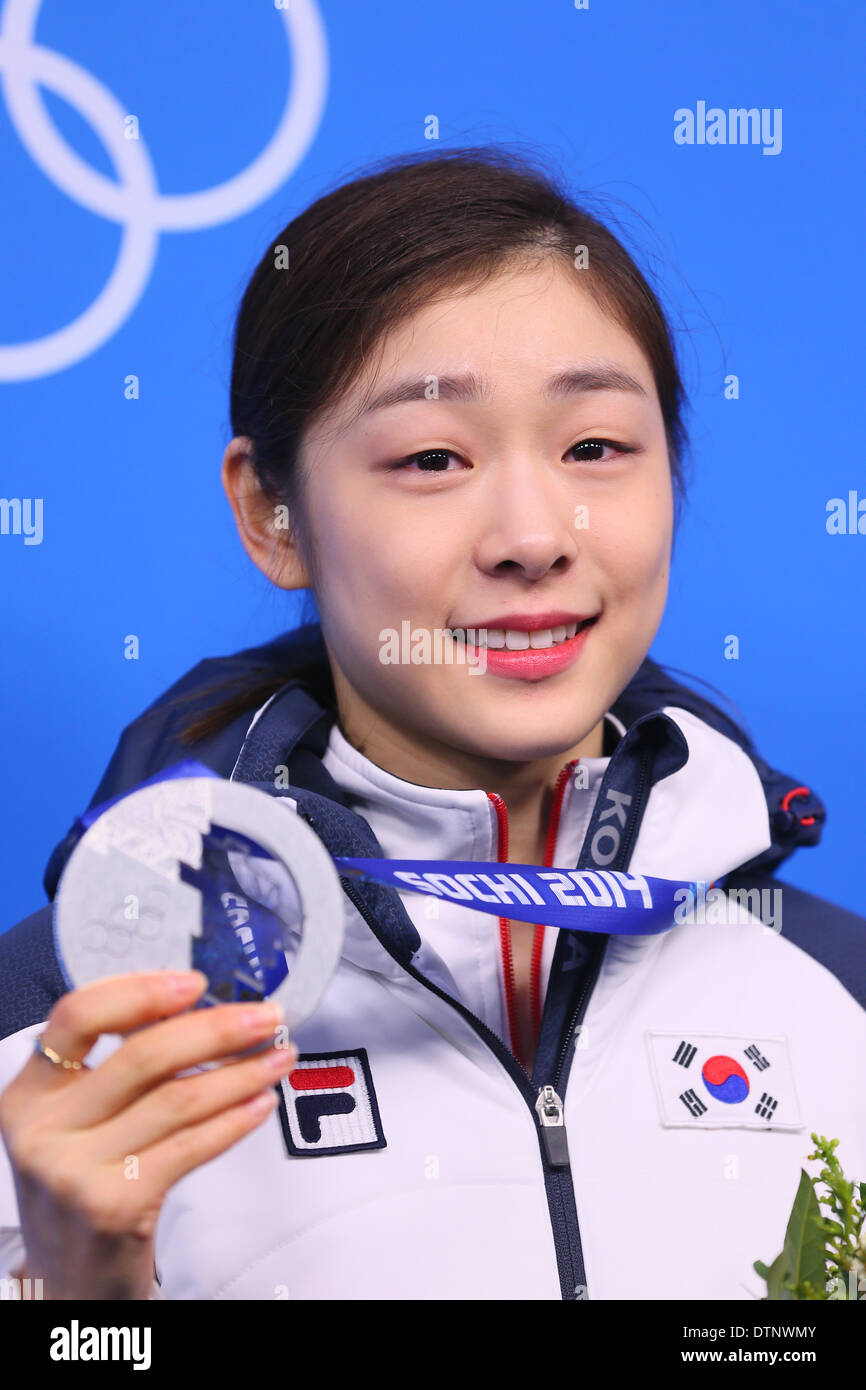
[(328, 1105), (723, 1081)]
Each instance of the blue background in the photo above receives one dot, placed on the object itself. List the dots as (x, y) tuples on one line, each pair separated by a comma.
[(758, 259)]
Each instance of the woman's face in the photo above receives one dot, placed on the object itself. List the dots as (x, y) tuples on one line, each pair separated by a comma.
[(547, 496)]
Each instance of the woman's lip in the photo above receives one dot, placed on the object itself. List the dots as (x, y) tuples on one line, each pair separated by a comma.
[(533, 663), (534, 622)]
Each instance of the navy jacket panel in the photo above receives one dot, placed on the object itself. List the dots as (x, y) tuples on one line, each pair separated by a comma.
[(829, 933), (32, 981)]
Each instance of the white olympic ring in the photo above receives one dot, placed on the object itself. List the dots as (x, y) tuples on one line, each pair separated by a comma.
[(134, 201)]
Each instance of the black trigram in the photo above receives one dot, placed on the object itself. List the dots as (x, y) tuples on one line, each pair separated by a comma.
[(766, 1105), (693, 1103), (757, 1057), (684, 1054)]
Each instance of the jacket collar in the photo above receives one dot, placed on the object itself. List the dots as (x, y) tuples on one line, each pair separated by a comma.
[(796, 812), (447, 823), (292, 728), (695, 802)]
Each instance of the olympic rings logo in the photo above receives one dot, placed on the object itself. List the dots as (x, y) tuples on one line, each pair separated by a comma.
[(135, 201)]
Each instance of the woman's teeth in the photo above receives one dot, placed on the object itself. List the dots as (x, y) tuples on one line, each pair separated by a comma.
[(515, 640)]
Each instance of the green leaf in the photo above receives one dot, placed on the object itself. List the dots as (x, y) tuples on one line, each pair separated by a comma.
[(863, 1195), (774, 1276), (804, 1252), (831, 1228)]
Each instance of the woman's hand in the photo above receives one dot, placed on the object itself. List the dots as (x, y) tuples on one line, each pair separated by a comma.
[(95, 1151)]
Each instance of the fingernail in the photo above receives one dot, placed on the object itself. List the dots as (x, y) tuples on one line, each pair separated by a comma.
[(188, 982), (262, 1018), (265, 1100), (281, 1057)]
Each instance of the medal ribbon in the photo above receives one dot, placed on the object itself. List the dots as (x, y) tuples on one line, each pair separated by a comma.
[(596, 900)]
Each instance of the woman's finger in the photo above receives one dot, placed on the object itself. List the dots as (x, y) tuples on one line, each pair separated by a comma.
[(110, 1005), (189, 1100), (166, 1162), (155, 1054)]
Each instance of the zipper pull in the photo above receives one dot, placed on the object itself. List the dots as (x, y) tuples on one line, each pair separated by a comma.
[(551, 1118)]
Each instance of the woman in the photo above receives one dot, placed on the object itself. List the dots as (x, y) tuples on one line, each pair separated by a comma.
[(456, 411)]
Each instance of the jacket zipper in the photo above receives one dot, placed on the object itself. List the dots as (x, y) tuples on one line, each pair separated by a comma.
[(538, 935), (553, 1138), (553, 1146), (545, 1103), (550, 1108)]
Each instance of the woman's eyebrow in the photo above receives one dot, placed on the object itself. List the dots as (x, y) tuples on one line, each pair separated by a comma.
[(573, 381)]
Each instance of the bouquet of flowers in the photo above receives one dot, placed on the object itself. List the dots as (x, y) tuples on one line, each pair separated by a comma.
[(824, 1256)]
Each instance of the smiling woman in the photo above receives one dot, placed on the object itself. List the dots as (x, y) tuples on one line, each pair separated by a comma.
[(458, 418), (489, 543), (464, 402)]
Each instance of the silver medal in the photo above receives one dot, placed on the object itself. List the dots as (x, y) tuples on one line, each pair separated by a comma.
[(199, 872)]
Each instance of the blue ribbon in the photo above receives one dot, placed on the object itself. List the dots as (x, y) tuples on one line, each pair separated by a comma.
[(595, 900), (577, 900)]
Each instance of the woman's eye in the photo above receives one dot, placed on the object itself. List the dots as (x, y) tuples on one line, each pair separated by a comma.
[(429, 461), (436, 460), (588, 448)]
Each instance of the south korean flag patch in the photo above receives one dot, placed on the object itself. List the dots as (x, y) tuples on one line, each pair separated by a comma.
[(723, 1081), (328, 1105)]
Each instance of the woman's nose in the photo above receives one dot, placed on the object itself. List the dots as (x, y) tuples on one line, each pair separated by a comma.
[(529, 527)]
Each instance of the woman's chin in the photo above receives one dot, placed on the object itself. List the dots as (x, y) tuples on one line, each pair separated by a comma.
[(536, 739)]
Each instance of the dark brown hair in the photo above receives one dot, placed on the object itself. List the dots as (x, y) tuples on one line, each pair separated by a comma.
[(365, 256)]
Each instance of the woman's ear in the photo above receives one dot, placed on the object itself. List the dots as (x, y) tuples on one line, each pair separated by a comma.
[(264, 529)]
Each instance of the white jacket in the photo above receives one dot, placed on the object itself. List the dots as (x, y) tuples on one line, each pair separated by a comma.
[(414, 1166)]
